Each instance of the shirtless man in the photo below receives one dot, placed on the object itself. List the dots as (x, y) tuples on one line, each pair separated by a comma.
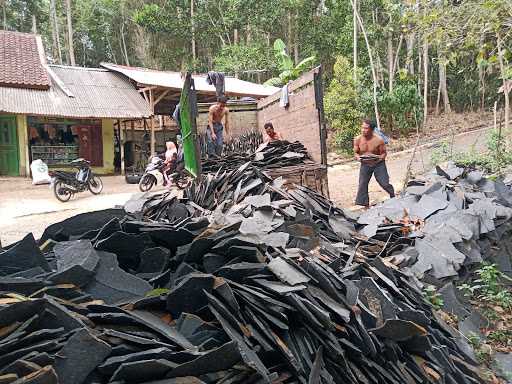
[(271, 134), (215, 130), (369, 143)]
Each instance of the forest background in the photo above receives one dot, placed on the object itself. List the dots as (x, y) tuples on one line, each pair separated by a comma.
[(399, 62)]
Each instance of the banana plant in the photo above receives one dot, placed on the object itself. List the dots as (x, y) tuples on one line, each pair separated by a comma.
[(289, 71)]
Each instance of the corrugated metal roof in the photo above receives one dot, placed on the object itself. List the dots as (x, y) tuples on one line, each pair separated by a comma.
[(172, 80), (98, 93), (22, 61)]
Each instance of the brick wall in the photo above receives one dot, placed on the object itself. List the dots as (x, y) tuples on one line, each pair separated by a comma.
[(300, 121), (240, 121)]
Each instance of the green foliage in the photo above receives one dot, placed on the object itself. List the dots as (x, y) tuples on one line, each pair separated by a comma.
[(242, 57), (495, 159), (501, 336), (441, 153), (489, 287), (399, 109), (289, 71), (157, 292), (433, 297), (341, 105), (474, 340)]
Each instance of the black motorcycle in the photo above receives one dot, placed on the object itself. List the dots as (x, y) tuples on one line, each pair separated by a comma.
[(66, 184)]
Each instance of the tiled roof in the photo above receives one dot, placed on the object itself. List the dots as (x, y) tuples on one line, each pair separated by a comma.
[(21, 61), (82, 93)]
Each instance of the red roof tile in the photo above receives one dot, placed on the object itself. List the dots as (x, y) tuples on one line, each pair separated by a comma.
[(21, 61)]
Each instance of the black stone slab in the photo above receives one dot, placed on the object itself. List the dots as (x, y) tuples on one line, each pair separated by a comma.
[(112, 284), (79, 224), (109, 366), (24, 254), (76, 262), (143, 370), (187, 295), (81, 354), (154, 260), (126, 246)]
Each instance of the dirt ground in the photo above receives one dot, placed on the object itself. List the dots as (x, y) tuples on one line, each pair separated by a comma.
[(31, 208)]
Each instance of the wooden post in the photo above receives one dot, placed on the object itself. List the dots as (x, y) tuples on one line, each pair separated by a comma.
[(121, 145), (152, 122), (132, 130)]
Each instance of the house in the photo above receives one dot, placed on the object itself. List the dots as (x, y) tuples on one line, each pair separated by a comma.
[(58, 113)]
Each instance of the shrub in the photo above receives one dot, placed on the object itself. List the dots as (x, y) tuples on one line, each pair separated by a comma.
[(342, 108)]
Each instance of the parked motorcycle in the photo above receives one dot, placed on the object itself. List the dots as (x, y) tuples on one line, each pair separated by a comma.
[(154, 175), (66, 184)]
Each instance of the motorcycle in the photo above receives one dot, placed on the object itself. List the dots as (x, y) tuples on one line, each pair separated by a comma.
[(66, 184), (154, 175)]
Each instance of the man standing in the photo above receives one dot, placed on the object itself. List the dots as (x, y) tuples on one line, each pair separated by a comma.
[(215, 130), (271, 134), (370, 150)]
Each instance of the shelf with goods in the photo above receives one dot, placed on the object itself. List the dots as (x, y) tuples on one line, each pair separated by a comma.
[(55, 154)]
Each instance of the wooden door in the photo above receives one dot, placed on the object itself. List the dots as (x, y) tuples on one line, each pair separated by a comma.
[(91, 144), (9, 154)]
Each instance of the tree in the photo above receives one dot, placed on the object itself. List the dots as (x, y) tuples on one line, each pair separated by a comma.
[(288, 71), (342, 109), (71, 48)]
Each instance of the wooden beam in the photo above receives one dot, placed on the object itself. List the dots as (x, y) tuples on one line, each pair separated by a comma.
[(147, 89), (162, 95), (145, 96), (152, 121)]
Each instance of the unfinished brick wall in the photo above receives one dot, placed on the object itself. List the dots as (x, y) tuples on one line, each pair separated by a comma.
[(300, 121), (240, 120)]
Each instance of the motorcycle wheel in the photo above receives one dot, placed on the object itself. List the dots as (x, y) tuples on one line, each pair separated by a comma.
[(62, 193), (182, 182), (146, 182), (95, 185)]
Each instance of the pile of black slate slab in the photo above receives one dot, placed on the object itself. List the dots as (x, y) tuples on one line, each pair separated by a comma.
[(457, 219), (246, 142), (275, 154), (262, 285)]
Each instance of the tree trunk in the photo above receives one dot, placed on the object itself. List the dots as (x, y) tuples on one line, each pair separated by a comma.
[(481, 81), (193, 32), (55, 30), (410, 52), (235, 41), (123, 41), (34, 24), (4, 13), (70, 33), (393, 61), (290, 42), (505, 87), (354, 28), (380, 70), (442, 85), (425, 80), (372, 66), (438, 100), (296, 38), (390, 62), (248, 37)]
